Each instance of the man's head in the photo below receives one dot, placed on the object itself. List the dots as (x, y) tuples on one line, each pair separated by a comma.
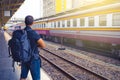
[(29, 20)]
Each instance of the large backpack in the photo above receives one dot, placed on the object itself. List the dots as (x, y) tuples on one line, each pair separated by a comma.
[(19, 46)]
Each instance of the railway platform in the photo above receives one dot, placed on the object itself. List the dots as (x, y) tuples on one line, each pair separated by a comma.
[(6, 69)]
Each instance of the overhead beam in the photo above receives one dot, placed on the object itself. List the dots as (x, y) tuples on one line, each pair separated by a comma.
[(15, 4), (13, 8)]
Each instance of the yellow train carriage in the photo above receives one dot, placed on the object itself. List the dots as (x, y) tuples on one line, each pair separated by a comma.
[(97, 23)]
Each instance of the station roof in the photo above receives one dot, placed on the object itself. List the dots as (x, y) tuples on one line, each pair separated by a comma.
[(7, 9)]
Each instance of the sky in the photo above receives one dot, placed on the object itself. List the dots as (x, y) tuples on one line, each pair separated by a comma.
[(30, 7)]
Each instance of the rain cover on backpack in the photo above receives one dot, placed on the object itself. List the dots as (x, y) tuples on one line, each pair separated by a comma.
[(19, 46)]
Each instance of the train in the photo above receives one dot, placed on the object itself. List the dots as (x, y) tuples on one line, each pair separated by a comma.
[(93, 27)]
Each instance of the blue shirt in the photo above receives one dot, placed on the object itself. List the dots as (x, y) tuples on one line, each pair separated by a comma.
[(33, 37)]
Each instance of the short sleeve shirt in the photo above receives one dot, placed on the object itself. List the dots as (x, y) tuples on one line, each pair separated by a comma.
[(33, 36)]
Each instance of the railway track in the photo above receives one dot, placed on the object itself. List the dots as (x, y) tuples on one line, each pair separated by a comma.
[(53, 70), (90, 54), (70, 69)]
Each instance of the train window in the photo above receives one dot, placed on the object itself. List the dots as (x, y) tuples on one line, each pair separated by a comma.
[(82, 22), (44, 25), (36, 26), (58, 23), (63, 23), (91, 21), (78, 22), (116, 19), (54, 24), (51, 25), (40, 25), (71, 22), (102, 20), (68, 23), (74, 22), (47, 24)]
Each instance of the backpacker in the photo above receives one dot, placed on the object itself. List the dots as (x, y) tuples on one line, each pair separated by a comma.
[(19, 47)]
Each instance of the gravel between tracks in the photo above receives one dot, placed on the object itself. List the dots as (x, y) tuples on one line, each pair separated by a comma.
[(110, 71), (75, 71), (53, 71), (93, 55)]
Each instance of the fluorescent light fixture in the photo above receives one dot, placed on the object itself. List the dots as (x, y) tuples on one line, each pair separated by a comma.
[(7, 13)]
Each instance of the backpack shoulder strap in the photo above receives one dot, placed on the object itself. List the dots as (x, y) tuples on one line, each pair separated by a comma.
[(9, 52)]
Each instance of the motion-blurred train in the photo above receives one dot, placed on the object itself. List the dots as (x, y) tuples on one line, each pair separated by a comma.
[(94, 27)]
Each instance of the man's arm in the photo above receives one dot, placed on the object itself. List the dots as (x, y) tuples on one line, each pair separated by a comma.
[(41, 43)]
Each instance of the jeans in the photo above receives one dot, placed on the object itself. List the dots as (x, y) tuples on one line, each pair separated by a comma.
[(34, 67)]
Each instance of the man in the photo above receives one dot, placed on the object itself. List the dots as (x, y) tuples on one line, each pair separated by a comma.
[(35, 40)]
